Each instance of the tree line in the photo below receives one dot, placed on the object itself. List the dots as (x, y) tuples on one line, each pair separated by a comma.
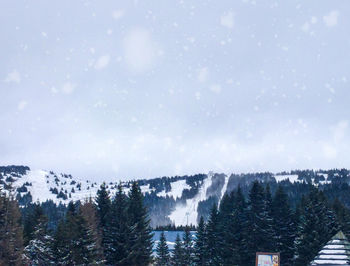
[(103, 231), (242, 226), (114, 230)]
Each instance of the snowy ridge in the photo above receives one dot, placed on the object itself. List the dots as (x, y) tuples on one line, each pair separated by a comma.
[(47, 185), (184, 193)]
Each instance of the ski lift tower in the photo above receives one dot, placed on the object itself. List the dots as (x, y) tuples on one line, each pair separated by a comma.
[(187, 214)]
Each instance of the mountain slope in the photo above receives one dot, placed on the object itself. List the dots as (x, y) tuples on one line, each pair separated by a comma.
[(180, 200)]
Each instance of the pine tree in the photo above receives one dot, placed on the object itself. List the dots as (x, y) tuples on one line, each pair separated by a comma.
[(30, 221), (141, 235), (163, 256), (329, 225), (284, 226), (200, 246), (39, 250), (260, 223), (269, 226), (237, 231), (103, 203), (88, 212), (343, 217), (213, 237), (103, 206), (118, 240), (317, 225), (74, 242), (307, 242), (178, 254), (188, 247), (61, 244), (11, 234), (226, 209)]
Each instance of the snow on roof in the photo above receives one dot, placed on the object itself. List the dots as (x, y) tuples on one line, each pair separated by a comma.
[(335, 252)]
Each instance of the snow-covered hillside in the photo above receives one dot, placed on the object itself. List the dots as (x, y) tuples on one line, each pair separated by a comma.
[(177, 200), (187, 213)]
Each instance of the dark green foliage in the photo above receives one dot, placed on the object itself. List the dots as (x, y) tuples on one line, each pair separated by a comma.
[(228, 250), (74, 243), (141, 234), (261, 235), (11, 235), (236, 232), (200, 246), (31, 220), (213, 236), (118, 232), (205, 206), (343, 217), (40, 250), (163, 255), (178, 253), (283, 225), (317, 225), (103, 203), (173, 227), (188, 247)]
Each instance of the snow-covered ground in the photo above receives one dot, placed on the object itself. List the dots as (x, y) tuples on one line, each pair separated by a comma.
[(224, 188), (291, 178), (187, 213), (40, 184), (176, 189)]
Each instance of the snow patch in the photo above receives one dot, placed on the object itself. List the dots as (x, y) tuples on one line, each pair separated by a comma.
[(187, 213), (291, 178), (176, 189)]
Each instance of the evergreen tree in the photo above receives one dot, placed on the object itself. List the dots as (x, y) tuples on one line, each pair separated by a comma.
[(317, 225), (39, 250), (226, 210), (188, 247), (141, 235), (307, 242), (163, 256), (103, 203), (200, 246), (30, 221), (328, 224), (284, 226), (260, 235), (11, 233), (118, 240), (269, 225), (237, 231), (74, 242), (213, 237), (343, 217), (88, 212), (178, 254), (103, 206)]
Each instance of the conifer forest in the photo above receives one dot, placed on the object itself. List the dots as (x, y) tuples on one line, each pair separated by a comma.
[(114, 230)]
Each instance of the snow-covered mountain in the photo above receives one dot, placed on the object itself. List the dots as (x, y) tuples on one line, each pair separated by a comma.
[(177, 200)]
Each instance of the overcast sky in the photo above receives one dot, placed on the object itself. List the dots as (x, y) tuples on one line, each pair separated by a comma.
[(139, 89)]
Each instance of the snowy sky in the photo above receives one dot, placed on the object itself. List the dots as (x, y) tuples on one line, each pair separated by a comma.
[(138, 89)]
